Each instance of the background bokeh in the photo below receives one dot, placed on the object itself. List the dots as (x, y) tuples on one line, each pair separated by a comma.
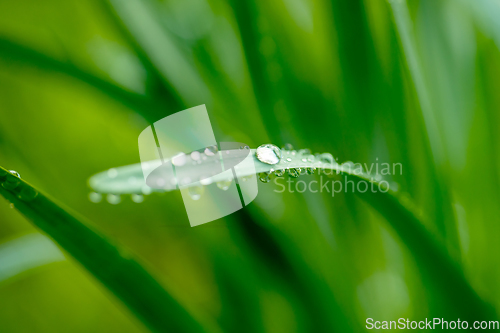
[(369, 81)]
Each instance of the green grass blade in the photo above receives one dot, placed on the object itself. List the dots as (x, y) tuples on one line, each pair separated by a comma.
[(125, 277), (15, 52)]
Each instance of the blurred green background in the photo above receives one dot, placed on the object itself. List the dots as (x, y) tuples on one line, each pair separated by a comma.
[(369, 81)]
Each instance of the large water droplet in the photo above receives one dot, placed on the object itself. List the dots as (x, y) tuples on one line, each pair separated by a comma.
[(113, 199), (15, 173), (224, 184), (269, 154), (95, 197), (137, 198), (195, 192)]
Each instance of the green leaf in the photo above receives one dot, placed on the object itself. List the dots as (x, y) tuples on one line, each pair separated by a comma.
[(119, 272)]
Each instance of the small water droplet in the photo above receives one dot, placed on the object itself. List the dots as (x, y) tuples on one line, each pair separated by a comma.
[(146, 190), (310, 171), (28, 194), (279, 173), (15, 173), (311, 158), (265, 177), (305, 151), (211, 150), (112, 173), (304, 160), (288, 146), (293, 172), (269, 154), (113, 199), (195, 155), (195, 192), (288, 159), (302, 171), (11, 206), (179, 159), (378, 177), (327, 158), (137, 198), (224, 184), (95, 197)]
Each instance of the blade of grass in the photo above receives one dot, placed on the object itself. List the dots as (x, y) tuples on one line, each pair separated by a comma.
[(439, 268), (444, 217), (121, 274), (12, 51)]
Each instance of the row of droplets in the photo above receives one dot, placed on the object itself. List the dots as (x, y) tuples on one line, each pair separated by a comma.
[(13, 183), (194, 192)]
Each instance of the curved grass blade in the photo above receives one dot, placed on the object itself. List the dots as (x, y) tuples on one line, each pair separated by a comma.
[(121, 274), (13, 51), (441, 271)]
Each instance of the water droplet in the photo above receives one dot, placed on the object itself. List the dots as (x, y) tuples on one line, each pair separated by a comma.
[(11, 182), (302, 171), (304, 160), (146, 190), (279, 173), (378, 177), (269, 154), (28, 194), (311, 158), (265, 177), (113, 199), (310, 171), (11, 206), (327, 158), (211, 150), (305, 151), (195, 155), (288, 146), (292, 172), (179, 159), (112, 173), (195, 192), (137, 198), (15, 173), (288, 159), (95, 197), (224, 184)]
